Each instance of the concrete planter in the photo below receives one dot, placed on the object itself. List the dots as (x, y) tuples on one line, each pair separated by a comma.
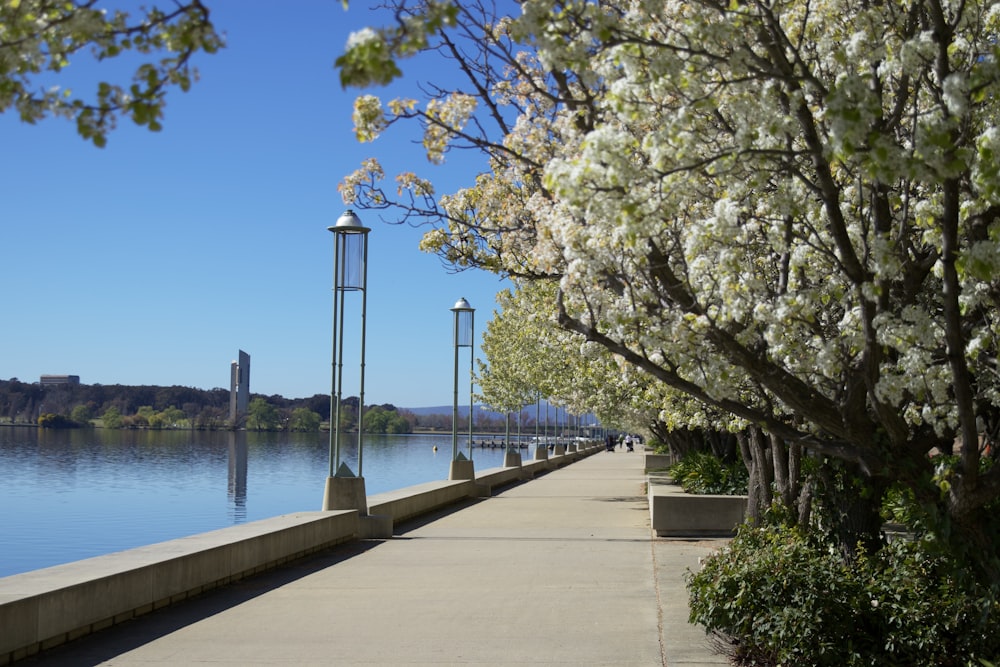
[(658, 461), (674, 513)]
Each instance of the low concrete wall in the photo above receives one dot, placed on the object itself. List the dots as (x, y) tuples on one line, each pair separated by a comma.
[(658, 461), (534, 467), (559, 459), (418, 499), (495, 478), (48, 607), (674, 513)]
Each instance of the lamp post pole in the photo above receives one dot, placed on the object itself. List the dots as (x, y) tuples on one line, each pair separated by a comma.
[(454, 403), (472, 376), (344, 490), (511, 455), (541, 448), (463, 330)]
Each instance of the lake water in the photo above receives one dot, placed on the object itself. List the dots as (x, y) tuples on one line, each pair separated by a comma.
[(72, 494)]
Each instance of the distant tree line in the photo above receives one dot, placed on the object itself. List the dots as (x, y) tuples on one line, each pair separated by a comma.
[(154, 407)]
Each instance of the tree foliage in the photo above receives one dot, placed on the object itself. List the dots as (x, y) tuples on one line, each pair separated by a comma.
[(786, 213), (112, 418), (49, 420), (385, 419), (181, 407), (82, 414), (41, 38), (262, 416), (792, 601), (531, 357), (304, 419)]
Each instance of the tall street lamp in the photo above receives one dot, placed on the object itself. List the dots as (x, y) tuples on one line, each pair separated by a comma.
[(464, 318), (344, 490), (511, 455), (541, 448)]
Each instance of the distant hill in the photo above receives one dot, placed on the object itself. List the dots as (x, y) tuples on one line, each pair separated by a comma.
[(24, 402), (463, 410), (556, 415)]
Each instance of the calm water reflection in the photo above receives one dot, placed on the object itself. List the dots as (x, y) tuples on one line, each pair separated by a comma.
[(74, 494)]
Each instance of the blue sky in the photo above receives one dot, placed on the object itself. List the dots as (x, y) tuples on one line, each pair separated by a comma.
[(155, 259)]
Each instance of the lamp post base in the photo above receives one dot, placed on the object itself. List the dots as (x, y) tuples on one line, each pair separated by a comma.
[(345, 493), (462, 469), (541, 453), (512, 459)]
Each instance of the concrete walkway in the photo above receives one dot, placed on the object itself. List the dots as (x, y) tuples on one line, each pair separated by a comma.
[(561, 570)]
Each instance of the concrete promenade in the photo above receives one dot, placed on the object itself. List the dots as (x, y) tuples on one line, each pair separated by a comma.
[(559, 570)]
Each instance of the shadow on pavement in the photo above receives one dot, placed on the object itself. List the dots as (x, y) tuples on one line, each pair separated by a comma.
[(105, 645)]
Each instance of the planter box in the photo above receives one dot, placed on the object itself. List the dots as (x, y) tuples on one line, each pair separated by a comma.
[(658, 461), (674, 513)]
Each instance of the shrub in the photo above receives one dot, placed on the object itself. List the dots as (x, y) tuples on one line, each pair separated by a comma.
[(704, 473), (112, 418), (49, 420), (658, 447), (777, 597)]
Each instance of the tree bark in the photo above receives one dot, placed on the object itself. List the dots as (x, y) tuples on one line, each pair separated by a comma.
[(760, 465), (852, 504)]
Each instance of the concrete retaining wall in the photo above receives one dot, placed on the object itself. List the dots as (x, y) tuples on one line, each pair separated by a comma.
[(419, 499), (534, 467), (674, 513), (496, 478), (658, 461), (45, 608)]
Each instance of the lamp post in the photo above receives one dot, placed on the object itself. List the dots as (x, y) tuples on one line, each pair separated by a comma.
[(464, 319), (541, 448), (344, 490), (511, 456)]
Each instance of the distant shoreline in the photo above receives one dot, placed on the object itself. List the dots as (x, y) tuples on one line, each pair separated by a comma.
[(416, 431)]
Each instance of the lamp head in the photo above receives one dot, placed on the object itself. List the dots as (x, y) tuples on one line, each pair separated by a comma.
[(462, 306), (348, 223)]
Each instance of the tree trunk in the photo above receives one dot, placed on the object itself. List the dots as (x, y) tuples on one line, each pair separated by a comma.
[(805, 504), (754, 451), (782, 483), (852, 504), (765, 467), (774, 468), (723, 445), (788, 476)]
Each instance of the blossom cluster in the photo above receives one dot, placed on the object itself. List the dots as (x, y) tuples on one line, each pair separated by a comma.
[(759, 213)]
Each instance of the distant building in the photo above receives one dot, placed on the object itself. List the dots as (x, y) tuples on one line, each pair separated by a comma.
[(49, 380), (239, 388)]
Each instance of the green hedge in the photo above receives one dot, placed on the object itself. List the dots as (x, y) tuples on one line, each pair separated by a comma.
[(705, 473), (777, 597)]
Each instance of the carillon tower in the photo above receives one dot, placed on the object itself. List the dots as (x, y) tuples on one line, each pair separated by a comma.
[(239, 388)]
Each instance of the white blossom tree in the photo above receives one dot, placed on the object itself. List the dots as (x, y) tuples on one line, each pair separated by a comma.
[(786, 212), (507, 383), (530, 356)]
